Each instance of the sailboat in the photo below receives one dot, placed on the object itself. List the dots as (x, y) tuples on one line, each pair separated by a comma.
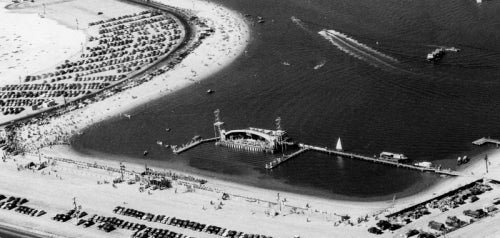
[(339, 145)]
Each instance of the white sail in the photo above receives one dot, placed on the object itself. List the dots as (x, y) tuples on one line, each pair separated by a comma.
[(339, 145)]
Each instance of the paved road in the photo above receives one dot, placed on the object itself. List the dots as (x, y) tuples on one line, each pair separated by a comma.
[(7, 232)]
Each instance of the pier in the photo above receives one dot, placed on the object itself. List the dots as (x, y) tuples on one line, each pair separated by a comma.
[(193, 144), (276, 162), (303, 148), (272, 141), (485, 140), (244, 146)]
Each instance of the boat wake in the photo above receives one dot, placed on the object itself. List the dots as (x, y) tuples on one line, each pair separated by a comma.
[(446, 48), (359, 50), (299, 23), (318, 66), (352, 47)]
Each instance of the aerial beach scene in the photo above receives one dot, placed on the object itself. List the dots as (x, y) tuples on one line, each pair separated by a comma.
[(298, 118)]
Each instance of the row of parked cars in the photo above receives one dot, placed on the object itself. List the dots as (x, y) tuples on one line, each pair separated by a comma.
[(384, 225), (117, 222), (16, 203), (173, 221), (11, 202), (109, 224), (151, 232), (73, 213), (30, 211)]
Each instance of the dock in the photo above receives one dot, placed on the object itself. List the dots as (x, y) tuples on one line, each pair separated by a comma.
[(275, 141), (303, 148), (276, 162), (485, 140), (193, 144)]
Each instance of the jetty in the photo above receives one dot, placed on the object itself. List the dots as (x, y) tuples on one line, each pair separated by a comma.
[(193, 144), (303, 148), (485, 140)]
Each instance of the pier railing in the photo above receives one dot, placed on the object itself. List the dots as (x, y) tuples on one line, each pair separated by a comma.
[(193, 144), (303, 148), (278, 161)]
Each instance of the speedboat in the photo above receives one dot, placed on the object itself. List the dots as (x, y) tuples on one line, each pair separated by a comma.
[(436, 55)]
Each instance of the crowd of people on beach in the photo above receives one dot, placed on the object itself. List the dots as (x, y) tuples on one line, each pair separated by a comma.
[(41, 131)]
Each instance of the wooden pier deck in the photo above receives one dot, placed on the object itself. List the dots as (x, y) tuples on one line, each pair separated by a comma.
[(485, 140), (276, 162), (193, 144), (303, 148)]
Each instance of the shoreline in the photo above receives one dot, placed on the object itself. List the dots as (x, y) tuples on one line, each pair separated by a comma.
[(321, 209), (439, 187), (124, 105), (250, 178), (192, 69), (308, 211)]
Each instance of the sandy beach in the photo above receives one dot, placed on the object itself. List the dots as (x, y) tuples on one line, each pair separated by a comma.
[(217, 51), (249, 209), (31, 44)]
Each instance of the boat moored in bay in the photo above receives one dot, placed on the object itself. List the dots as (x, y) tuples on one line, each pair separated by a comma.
[(436, 55)]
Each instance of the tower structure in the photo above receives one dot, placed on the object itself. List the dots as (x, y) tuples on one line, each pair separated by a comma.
[(218, 125), (280, 133)]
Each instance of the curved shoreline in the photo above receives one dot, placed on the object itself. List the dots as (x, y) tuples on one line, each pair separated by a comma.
[(97, 117), (356, 208)]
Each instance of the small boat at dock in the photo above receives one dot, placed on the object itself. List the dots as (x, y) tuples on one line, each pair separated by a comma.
[(453, 49), (424, 164), (393, 156)]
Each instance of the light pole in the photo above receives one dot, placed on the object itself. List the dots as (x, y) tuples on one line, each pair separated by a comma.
[(486, 162)]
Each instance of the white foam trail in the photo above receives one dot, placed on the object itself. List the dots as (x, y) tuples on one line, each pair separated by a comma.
[(318, 66), (299, 23), (357, 49), (361, 45)]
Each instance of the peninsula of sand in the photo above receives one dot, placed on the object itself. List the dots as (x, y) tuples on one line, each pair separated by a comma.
[(50, 190), (151, 51)]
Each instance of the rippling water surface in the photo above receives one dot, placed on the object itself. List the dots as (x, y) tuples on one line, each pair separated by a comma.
[(374, 90)]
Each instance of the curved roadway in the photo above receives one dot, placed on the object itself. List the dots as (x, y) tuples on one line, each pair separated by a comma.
[(8, 232)]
